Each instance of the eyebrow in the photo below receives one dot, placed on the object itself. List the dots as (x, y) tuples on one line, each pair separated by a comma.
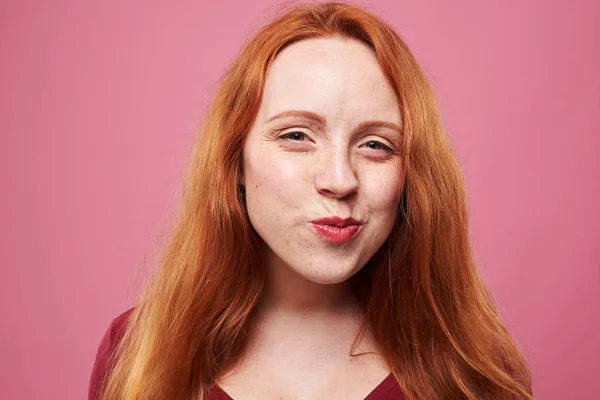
[(322, 121)]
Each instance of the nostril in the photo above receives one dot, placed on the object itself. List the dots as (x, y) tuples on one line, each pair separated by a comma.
[(336, 196), (337, 185)]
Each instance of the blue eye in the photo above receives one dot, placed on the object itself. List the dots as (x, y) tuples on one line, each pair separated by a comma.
[(372, 144), (295, 136)]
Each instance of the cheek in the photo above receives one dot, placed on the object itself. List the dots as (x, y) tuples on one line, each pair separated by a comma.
[(273, 183), (383, 193)]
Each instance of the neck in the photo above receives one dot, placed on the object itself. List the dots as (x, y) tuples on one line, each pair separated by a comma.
[(288, 292)]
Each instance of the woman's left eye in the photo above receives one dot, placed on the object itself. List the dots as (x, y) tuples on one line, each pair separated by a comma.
[(375, 145)]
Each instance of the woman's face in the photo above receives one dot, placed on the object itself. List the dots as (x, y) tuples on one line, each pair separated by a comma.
[(325, 143)]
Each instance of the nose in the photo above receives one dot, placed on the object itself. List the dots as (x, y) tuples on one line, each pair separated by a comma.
[(336, 177)]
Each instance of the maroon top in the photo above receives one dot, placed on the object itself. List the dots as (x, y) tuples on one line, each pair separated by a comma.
[(388, 389)]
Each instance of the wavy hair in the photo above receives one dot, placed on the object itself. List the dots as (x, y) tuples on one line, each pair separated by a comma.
[(428, 308)]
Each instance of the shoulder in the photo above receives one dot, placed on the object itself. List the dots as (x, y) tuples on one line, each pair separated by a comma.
[(110, 340), (388, 389)]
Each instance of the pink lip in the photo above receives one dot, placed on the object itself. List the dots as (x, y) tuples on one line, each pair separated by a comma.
[(336, 229), (335, 221)]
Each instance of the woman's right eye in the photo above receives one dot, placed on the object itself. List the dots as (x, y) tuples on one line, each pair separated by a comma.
[(295, 136)]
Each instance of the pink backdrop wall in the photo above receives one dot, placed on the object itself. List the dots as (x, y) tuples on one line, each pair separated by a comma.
[(99, 102)]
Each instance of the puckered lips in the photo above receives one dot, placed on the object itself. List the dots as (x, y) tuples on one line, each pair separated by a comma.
[(336, 229)]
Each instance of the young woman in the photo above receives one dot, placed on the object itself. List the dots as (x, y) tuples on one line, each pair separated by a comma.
[(322, 248)]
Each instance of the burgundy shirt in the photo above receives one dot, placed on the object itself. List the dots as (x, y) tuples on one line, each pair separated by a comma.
[(388, 389)]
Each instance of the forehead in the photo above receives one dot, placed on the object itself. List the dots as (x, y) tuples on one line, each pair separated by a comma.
[(336, 77)]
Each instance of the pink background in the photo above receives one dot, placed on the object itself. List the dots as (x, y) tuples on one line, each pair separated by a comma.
[(98, 106)]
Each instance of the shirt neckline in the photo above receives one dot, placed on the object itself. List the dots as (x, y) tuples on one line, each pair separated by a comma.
[(382, 388)]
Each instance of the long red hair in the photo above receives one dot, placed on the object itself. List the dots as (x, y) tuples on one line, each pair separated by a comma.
[(423, 298)]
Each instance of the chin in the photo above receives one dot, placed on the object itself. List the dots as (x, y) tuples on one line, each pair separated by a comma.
[(324, 276)]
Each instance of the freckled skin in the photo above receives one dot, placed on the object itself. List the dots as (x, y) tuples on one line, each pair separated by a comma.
[(323, 170)]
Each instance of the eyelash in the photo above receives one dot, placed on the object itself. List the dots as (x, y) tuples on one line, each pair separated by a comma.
[(287, 136)]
